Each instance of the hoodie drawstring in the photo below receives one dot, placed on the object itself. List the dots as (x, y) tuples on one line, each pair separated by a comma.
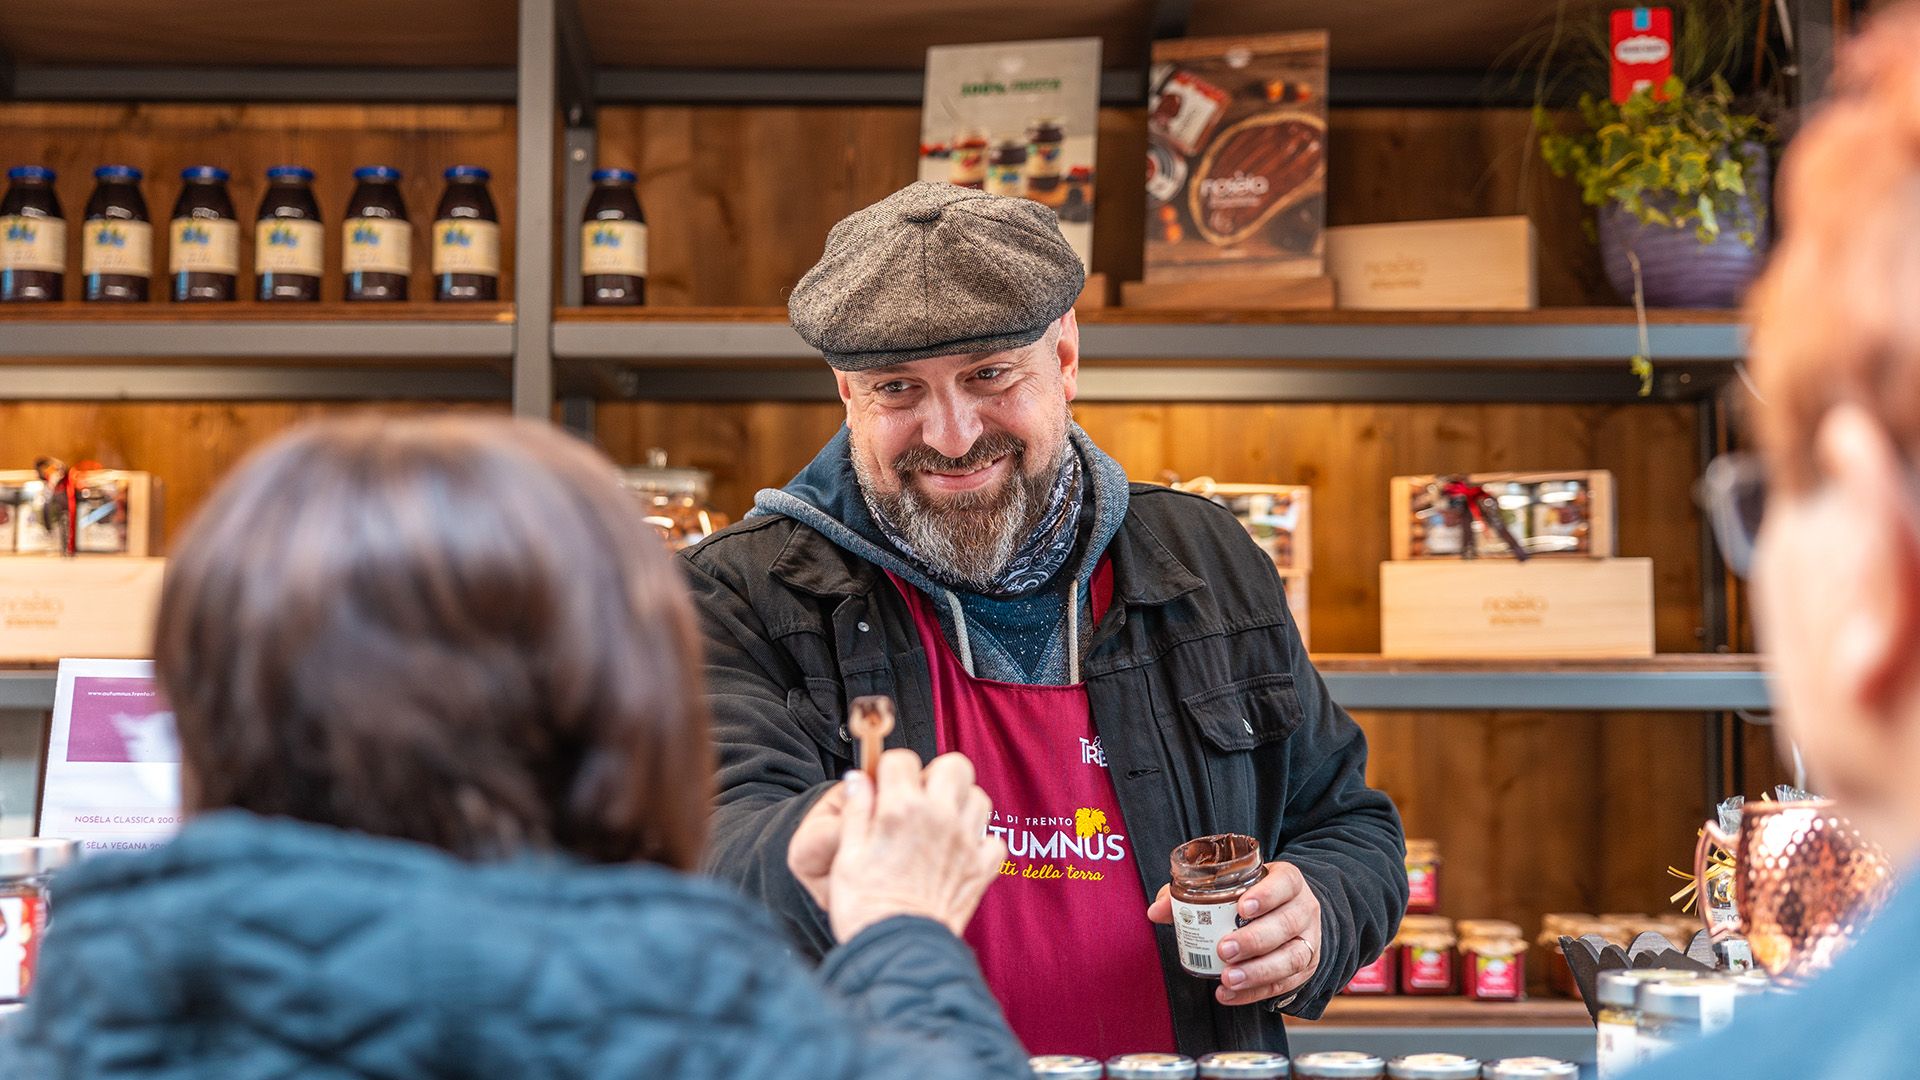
[(1073, 633), (960, 631)]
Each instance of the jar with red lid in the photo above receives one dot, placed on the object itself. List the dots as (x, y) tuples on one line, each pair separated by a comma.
[(1493, 961), (1380, 977), (1210, 875), (1423, 877), (1426, 955)]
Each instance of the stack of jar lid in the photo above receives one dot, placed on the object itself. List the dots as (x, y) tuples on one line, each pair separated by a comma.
[(1326, 1065), (1645, 1012)]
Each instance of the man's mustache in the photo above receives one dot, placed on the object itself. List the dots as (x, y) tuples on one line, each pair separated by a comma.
[(985, 450)]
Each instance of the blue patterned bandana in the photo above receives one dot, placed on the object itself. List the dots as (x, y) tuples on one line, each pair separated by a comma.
[(1038, 558)]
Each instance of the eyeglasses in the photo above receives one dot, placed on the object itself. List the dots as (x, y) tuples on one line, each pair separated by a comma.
[(1734, 493)]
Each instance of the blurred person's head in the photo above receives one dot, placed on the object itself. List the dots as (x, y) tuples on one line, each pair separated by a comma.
[(452, 630), (1836, 357)]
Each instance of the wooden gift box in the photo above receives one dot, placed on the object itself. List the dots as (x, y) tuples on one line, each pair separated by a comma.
[(136, 515), (99, 606), (1407, 496), (1541, 609), (1279, 517), (1467, 264)]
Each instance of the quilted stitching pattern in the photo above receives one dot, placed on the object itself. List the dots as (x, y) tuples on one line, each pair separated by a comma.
[(269, 950)]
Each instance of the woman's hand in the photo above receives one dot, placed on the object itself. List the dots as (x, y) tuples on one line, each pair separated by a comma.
[(917, 846)]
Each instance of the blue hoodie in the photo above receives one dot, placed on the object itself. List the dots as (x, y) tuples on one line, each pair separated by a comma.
[(1036, 639)]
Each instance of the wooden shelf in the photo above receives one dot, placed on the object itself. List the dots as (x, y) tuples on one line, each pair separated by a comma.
[(1670, 682), (1409, 1011), (247, 311)]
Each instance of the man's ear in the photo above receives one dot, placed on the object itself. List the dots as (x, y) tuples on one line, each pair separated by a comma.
[(1879, 639), (1069, 351), (846, 390)]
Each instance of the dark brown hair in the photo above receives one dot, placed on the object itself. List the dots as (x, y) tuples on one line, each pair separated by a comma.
[(453, 630)]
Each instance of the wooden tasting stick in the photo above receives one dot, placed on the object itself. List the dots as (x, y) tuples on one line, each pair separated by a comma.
[(870, 721)]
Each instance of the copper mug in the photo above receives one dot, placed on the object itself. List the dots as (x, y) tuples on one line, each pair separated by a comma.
[(1804, 881)]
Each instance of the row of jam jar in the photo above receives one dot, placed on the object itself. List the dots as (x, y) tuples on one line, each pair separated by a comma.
[(1646, 1012), (1326, 1065), (1490, 963)]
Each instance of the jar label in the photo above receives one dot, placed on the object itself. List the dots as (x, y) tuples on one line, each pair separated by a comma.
[(1429, 969), (968, 166), (1006, 180), (1375, 978), (1423, 887), (614, 247), (33, 243), (1648, 1046), (114, 246), (1617, 1054), (288, 246), (21, 921), (1043, 159), (1495, 977), (1198, 929), (204, 246), (1716, 1012), (466, 246), (377, 246)]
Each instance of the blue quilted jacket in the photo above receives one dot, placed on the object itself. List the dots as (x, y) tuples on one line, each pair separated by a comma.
[(255, 949)]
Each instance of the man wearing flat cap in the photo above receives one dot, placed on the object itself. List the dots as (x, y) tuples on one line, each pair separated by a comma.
[(1115, 660)]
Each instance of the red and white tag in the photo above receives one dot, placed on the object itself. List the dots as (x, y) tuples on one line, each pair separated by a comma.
[(1640, 50)]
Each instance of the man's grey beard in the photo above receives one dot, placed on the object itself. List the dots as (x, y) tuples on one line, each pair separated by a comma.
[(968, 538)]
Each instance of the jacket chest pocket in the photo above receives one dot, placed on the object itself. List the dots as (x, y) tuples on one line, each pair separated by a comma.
[(816, 710), (1243, 728)]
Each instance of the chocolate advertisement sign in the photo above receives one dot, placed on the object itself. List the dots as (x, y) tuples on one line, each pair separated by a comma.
[(1237, 157), (1017, 118)]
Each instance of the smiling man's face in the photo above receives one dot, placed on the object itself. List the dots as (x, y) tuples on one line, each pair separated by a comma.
[(960, 452)]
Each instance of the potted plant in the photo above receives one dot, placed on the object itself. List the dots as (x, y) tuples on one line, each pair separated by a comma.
[(1678, 174)]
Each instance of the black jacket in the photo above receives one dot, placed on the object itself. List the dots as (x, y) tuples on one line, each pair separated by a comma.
[(1211, 716)]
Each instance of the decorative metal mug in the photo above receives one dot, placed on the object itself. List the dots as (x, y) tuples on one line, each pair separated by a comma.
[(1805, 880)]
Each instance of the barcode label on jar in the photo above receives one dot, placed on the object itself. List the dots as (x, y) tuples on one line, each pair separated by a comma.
[(1198, 928)]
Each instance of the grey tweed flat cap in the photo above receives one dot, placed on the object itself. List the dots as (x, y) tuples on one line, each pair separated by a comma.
[(934, 270)]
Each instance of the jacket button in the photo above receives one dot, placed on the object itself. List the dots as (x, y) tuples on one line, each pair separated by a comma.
[(845, 736), (863, 627)]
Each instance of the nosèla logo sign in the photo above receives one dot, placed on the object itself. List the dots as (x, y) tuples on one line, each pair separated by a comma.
[(1237, 186), (1515, 609)]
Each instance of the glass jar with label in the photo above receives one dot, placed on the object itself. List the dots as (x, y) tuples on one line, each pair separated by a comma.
[(1339, 1065), (1066, 1067), (1078, 206), (116, 239), (203, 244), (1380, 977), (1493, 960), (1531, 1068), (288, 239), (1007, 167), (24, 868), (1150, 1067), (1046, 141), (466, 238), (1423, 877), (967, 167), (613, 243), (376, 251), (1433, 1067), (1679, 1011), (1617, 1024), (1244, 1065), (33, 237), (1426, 955), (1210, 875)]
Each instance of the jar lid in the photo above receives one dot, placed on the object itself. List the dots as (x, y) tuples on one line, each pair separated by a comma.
[(376, 172), (618, 176), (1494, 944), (204, 174), (1066, 1067), (30, 172), (468, 172), (1488, 928), (118, 172), (1244, 1065), (290, 172), (1698, 998), (1434, 1067), (1621, 988), (1339, 1063), (33, 856), (1423, 851), (1531, 1068), (1150, 1067)]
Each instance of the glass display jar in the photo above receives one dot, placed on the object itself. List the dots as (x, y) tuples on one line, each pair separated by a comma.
[(33, 238), (203, 248), (1423, 877), (25, 866), (1673, 1012), (1617, 1024), (613, 243), (1426, 955), (1066, 1067), (1210, 875), (1380, 977), (1493, 961), (675, 500), (1433, 1067), (376, 250), (466, 238), (1150, 1067), (1244, 1065), (289, 241), (1339, 1065), (1531, 1068), (116, 240)]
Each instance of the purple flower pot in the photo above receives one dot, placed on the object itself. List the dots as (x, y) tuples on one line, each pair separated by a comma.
[(1676, 269)]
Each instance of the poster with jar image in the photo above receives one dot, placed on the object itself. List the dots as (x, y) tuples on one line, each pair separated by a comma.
[(1017, 118), (112, 777), (1237, 157)]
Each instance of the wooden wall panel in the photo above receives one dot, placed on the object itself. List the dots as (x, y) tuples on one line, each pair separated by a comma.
[(332, 140)]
